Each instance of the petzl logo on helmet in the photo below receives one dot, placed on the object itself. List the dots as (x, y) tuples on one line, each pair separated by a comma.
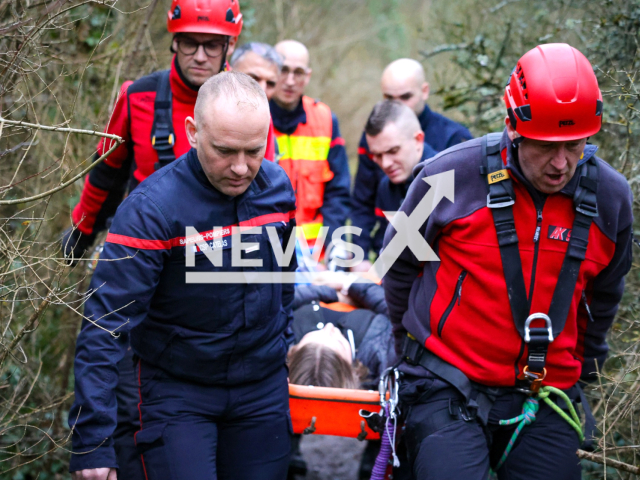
[(203, 18), (176, 13), (566, 123)]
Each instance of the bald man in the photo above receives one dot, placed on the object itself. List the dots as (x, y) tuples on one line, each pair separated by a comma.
[(311, 149), (211, 357), (402, 80)]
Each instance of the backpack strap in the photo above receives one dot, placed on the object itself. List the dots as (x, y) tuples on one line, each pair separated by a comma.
[(162, 136)]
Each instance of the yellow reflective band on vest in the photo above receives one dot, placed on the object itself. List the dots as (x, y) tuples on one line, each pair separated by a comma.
[(311, 230), (294, 147)]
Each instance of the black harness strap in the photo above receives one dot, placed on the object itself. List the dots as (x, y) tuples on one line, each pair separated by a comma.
[(500, 187), (500, 200), (586, 207), (162, 136)]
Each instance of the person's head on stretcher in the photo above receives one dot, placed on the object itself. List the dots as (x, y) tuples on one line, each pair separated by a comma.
[(324, 358)]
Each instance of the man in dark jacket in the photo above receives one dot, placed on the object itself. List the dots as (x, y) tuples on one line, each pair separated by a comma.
[(532, 259), (211, 357), (396, 145), (402, 80)]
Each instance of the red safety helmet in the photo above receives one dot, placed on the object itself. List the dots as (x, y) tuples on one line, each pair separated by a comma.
[(553, 95), (220, 17)]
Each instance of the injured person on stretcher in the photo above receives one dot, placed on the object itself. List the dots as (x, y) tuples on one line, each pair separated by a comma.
[(342, 340), (342, 333)]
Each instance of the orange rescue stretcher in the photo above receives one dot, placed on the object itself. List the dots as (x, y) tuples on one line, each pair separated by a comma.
[(332, 411)]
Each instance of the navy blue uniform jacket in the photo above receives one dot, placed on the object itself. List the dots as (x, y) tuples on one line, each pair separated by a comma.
[(222, 334), (439, 132)]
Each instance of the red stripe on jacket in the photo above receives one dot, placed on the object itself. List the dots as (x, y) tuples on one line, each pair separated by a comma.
[(148, 244)]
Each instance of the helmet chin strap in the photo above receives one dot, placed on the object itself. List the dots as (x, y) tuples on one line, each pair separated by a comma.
[(517, 141), (223, 63)]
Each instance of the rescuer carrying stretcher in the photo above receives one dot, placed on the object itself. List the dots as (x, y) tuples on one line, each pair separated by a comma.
[(533, 252)]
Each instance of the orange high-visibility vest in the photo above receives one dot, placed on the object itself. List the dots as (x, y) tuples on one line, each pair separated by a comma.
[(303, 155)]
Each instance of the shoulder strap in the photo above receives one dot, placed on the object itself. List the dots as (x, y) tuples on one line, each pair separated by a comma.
[(586, 207), (500, 199), (162, 136)]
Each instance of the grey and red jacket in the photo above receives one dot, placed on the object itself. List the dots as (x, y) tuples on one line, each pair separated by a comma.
[(458, 307), (440, 133), (133, 161), (221, 334)]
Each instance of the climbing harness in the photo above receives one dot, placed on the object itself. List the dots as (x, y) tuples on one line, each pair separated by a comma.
[(500, 200), (528, 416), (386, 424), (162, 135)]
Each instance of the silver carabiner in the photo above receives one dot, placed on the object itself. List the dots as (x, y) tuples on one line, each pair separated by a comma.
[(537, 316)]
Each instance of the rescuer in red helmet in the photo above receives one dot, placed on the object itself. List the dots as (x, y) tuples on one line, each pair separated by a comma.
[(495, 336), (204, 34), (150, 115)]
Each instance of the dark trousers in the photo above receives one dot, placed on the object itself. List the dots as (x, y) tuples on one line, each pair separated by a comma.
[(205, 432), (444, 441), (129, 463)]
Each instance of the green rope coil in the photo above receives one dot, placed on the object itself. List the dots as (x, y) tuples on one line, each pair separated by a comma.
[(528, 416)]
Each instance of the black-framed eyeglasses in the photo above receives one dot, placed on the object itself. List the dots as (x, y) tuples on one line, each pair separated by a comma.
[(188, 46), (298, 73)]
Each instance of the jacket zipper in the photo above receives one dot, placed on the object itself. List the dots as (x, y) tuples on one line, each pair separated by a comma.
[(586, 306), (536, 243), (457, 294)]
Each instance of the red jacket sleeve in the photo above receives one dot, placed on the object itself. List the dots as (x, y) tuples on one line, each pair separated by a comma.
[(105, 186)]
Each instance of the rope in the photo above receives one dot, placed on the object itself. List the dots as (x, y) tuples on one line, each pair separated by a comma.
[(528, 416), (387, 448)]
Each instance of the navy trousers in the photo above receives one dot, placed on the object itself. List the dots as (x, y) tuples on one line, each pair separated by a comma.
[(206, 432), (444, 442), (128, 397)]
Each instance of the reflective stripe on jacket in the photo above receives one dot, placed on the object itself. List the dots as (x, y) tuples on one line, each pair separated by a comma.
[(313, 155)]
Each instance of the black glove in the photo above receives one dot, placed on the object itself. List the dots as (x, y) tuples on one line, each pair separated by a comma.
[(75, 244)]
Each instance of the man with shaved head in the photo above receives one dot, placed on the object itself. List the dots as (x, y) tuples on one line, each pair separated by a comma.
[(311, 149), (402, 80), (210, 356)]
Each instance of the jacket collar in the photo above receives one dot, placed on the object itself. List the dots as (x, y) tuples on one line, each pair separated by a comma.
[(286, 121), (425, 117), (181, 89), (514, 166)]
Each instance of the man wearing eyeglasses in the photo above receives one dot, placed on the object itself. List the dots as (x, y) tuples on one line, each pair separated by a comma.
[(311, 149), (150, 115)]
